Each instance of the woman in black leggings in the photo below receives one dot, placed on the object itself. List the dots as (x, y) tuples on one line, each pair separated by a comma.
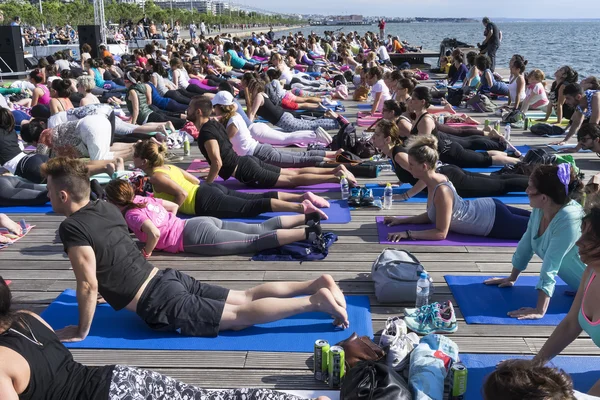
[(467, 184), (15, 192)]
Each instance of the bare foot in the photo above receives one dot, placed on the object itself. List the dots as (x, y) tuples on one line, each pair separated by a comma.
[(316, 200), (111, 168), (119, 164), (11, 225), (326, 281), (342, 170), (324, 301)]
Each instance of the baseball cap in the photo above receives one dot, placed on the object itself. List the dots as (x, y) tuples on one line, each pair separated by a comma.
[(222, 98)]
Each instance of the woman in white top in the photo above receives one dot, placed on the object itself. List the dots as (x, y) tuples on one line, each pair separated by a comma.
[(165, 87), (244, 144), (536, 97), (379, 90), (516, 86), (181, 78)]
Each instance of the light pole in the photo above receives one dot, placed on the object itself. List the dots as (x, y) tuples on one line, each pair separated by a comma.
[(41, 14), (171, 14)]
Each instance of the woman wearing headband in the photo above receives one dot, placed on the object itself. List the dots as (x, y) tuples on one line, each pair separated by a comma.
[(554, 227)]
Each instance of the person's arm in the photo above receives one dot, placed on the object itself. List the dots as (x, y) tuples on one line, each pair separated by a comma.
[(376, 103), (442, 202), (414, 219), (520, 88), (256, 103), (577, 121), (35, 96), (135, 106), (170, 206), (176, 78), (152, 237), (489, 33), (232, 130), (595, 118), (163, 184), (559, 105), (527, 101), (426, 126), (214, 155), (154, 80), (7, 389), (567, 331), (83, 261)]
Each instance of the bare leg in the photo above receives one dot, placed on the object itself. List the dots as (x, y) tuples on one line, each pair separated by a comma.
[(291, 221), (299, 198), (501, 158)]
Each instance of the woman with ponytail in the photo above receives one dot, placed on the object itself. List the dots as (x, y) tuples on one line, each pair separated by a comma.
[(447, 210), (60, 91), (552, 233), (158, 100), (41, 93)]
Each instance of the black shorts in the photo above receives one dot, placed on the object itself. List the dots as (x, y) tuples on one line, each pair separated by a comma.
[(176, 302), (255, 173)]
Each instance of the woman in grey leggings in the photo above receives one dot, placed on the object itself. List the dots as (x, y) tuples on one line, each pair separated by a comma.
[(154, 222)]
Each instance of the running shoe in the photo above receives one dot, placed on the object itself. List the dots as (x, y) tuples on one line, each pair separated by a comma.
[(431, 318), (328, 102), (398, 343), (172, 157), (323, 136), (366, 197), (354, 199)]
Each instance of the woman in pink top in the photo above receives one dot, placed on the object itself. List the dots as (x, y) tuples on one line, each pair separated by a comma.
[(41, 94), (154, 222), (535, 94)]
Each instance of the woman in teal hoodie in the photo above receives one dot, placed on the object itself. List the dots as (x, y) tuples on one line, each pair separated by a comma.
[(553, 229)]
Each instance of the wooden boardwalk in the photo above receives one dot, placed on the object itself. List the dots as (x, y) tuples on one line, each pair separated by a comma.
[(40, 271)]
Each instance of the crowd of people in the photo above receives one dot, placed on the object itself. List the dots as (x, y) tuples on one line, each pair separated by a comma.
[(95, 115)]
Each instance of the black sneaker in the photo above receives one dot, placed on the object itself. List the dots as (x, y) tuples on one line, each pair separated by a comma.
[(366, 197), (354, 199)]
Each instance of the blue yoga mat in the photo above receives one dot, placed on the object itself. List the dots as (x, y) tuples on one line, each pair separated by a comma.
[(509, 198), (364, 106), (45, 209), (125, 330), (582, 369), (338, 213), (483, 304), (523, 149)]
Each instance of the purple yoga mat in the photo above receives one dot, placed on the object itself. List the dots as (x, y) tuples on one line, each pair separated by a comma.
[(453, 239)]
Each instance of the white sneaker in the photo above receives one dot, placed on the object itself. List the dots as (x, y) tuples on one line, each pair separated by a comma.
[(323, 136), (398, 354), (328, 102), (395, 327)]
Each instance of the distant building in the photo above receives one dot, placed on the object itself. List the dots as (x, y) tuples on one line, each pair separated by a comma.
[(345, 20)]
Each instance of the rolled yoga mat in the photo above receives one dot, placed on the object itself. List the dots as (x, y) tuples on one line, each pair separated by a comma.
[(125, 330), (582, 369), (484, 304), (453, 239)]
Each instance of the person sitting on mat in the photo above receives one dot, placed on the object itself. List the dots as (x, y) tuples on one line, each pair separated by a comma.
[(467, 184), (489, 84), (36, 365), (447, 210), (587, 111), (585, 310), (452, 148), (154, 222), (554, 227), (562, 77), (522, 379), (244, 144), (249, 170), (212, 199), (379, 89), (167, 300)]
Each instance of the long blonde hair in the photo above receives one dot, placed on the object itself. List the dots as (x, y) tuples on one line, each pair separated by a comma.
[(423, 148), (226, 113)]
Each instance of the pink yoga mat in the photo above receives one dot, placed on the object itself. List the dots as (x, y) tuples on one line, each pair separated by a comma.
[(453, 239), (365, 122), (366, 114)]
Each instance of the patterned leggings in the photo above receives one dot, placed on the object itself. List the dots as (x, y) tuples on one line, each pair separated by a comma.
[(132, 383), (290, 124)]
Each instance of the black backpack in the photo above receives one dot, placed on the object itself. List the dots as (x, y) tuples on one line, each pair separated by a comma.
[(348, 139), (455, 96)]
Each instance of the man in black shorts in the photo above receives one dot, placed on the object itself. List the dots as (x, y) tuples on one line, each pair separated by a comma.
[(106, 261), (490, 45), (218, 151)]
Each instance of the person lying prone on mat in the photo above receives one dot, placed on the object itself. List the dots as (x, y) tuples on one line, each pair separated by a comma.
[(584, 314), (155, 223), (167, 300), (447, 210), (553, 229), (522, 379), (467, 184), (212, 199), (15, 192), (36, 365), (216, 148)]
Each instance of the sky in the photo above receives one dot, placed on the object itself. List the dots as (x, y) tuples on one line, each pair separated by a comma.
[(438, 8)]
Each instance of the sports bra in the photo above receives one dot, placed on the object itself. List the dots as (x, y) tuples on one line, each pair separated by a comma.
[(403, 175), (176, 175), (591, 328), (415, 128), (270, 111), (45, 98)]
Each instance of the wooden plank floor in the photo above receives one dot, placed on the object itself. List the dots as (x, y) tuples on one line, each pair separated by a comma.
[(40, 271)]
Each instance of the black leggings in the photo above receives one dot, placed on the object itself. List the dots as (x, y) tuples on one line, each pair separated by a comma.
[(158, 116), (30, 167), (453, 153), (216, 200), (478, 143), (15, 192), (178, 96), (470, 184)]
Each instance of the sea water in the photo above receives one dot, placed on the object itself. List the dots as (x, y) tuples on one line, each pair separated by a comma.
[(546, 45)]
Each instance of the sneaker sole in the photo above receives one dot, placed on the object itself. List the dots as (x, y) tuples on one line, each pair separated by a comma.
[(439, 330)]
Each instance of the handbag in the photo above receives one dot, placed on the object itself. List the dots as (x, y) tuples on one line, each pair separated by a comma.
[(455, 96), (395, 273), (370, 380), (513, 117), (360, 348)]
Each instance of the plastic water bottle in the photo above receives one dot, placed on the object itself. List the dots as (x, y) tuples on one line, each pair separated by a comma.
[(388, 194), (387, 167), (186, 145), (507, 132), (441, 120), (422, 290), (344, 188)]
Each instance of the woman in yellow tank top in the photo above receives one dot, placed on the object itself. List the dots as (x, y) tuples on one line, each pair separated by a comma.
[(212, 199)]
